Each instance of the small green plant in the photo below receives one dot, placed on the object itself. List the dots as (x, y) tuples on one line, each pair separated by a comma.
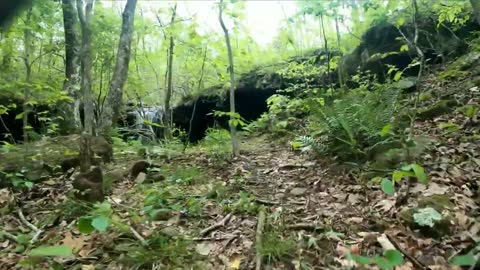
[(389, 260), (244, 204), (275, 248), (412, 170), (217, 143), (99, 218), (185, 175)]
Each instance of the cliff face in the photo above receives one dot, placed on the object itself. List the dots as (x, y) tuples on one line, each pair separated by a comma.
[(380, 48)]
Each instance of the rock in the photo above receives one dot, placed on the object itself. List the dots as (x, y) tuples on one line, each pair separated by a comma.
[(170, 231), (140, 166), (437, 202), (101, 147), (116, 175), (162, 214), (437, 109), (298, 191), (89, 185)]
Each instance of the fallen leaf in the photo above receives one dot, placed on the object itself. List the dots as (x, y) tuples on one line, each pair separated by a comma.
[(76, 243), (385, 243), (385, 205), (435, 189), (204, 248), (235, 262)]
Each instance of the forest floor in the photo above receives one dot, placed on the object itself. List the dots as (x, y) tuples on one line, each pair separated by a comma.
[(204, 212)]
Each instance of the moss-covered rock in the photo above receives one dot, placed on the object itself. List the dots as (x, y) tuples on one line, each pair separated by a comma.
[(437, 109), (438, 202)]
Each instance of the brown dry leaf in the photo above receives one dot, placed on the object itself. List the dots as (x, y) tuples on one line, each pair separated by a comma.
[(355, 220), (385, 205), (204, 248), (5, 197), (74, 242), (88, 267), (434, 189)]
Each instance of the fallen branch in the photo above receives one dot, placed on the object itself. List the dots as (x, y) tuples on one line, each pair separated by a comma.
[(258, 238), (305, 226), (138, 236), (211, 238), (418, 264), (34, 228), (217, 225), (9, 236), (265, 202)]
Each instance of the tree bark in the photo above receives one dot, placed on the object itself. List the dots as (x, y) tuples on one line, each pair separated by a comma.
[(71, 85), (27, 35), (476, 9), (85, 16), (111, 107), (168, 94), (233, 131)]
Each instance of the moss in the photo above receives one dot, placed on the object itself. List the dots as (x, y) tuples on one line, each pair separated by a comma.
[(437, 202), (437, 109)]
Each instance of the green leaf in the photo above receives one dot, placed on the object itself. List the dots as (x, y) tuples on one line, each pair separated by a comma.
[(85, 225), (101, 223), (397, 76), (361, 259), (394, 257), (51, 251), (387, 186), (404, 48), (28, 184), (464, 260), (385, 130), (420, 173), (398, 175)]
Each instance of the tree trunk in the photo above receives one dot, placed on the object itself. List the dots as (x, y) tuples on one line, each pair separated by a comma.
[(476, 9), (325, 41), (27, 34), (85, 16), (168, 94), (71, 85), (235, 146), (341, 79), (111, 107)]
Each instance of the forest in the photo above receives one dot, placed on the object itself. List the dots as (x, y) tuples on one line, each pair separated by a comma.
[(240, 134)]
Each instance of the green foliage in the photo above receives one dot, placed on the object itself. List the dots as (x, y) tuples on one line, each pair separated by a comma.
[(412, 170), (161, 249), (51, 251), (389, 260), (217, 143), (470, 259), (276, 248), (427, 217), (245, 204), (99, 218), (355, 123)]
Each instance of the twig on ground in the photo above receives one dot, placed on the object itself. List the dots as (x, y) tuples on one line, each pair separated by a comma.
[(305, 226), (217, 225), (9, 236), (418, 264), (265, 202), (258, 239), (34, 228), (211, 238), (138, 236)]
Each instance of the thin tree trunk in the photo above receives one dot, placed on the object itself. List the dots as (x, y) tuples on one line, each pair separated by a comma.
[(326, 50), (85, 16), (476, 9), (27, 34), (71, 85), (340, 63), (111, 107), (168, 94), (199, 87), (235, 145)]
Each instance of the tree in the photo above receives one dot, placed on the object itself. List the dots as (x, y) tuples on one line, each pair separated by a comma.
[(168, 94), (114, 97), (235, 146), (71, 85), (27, 43), (85, 15), (476, 9)]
